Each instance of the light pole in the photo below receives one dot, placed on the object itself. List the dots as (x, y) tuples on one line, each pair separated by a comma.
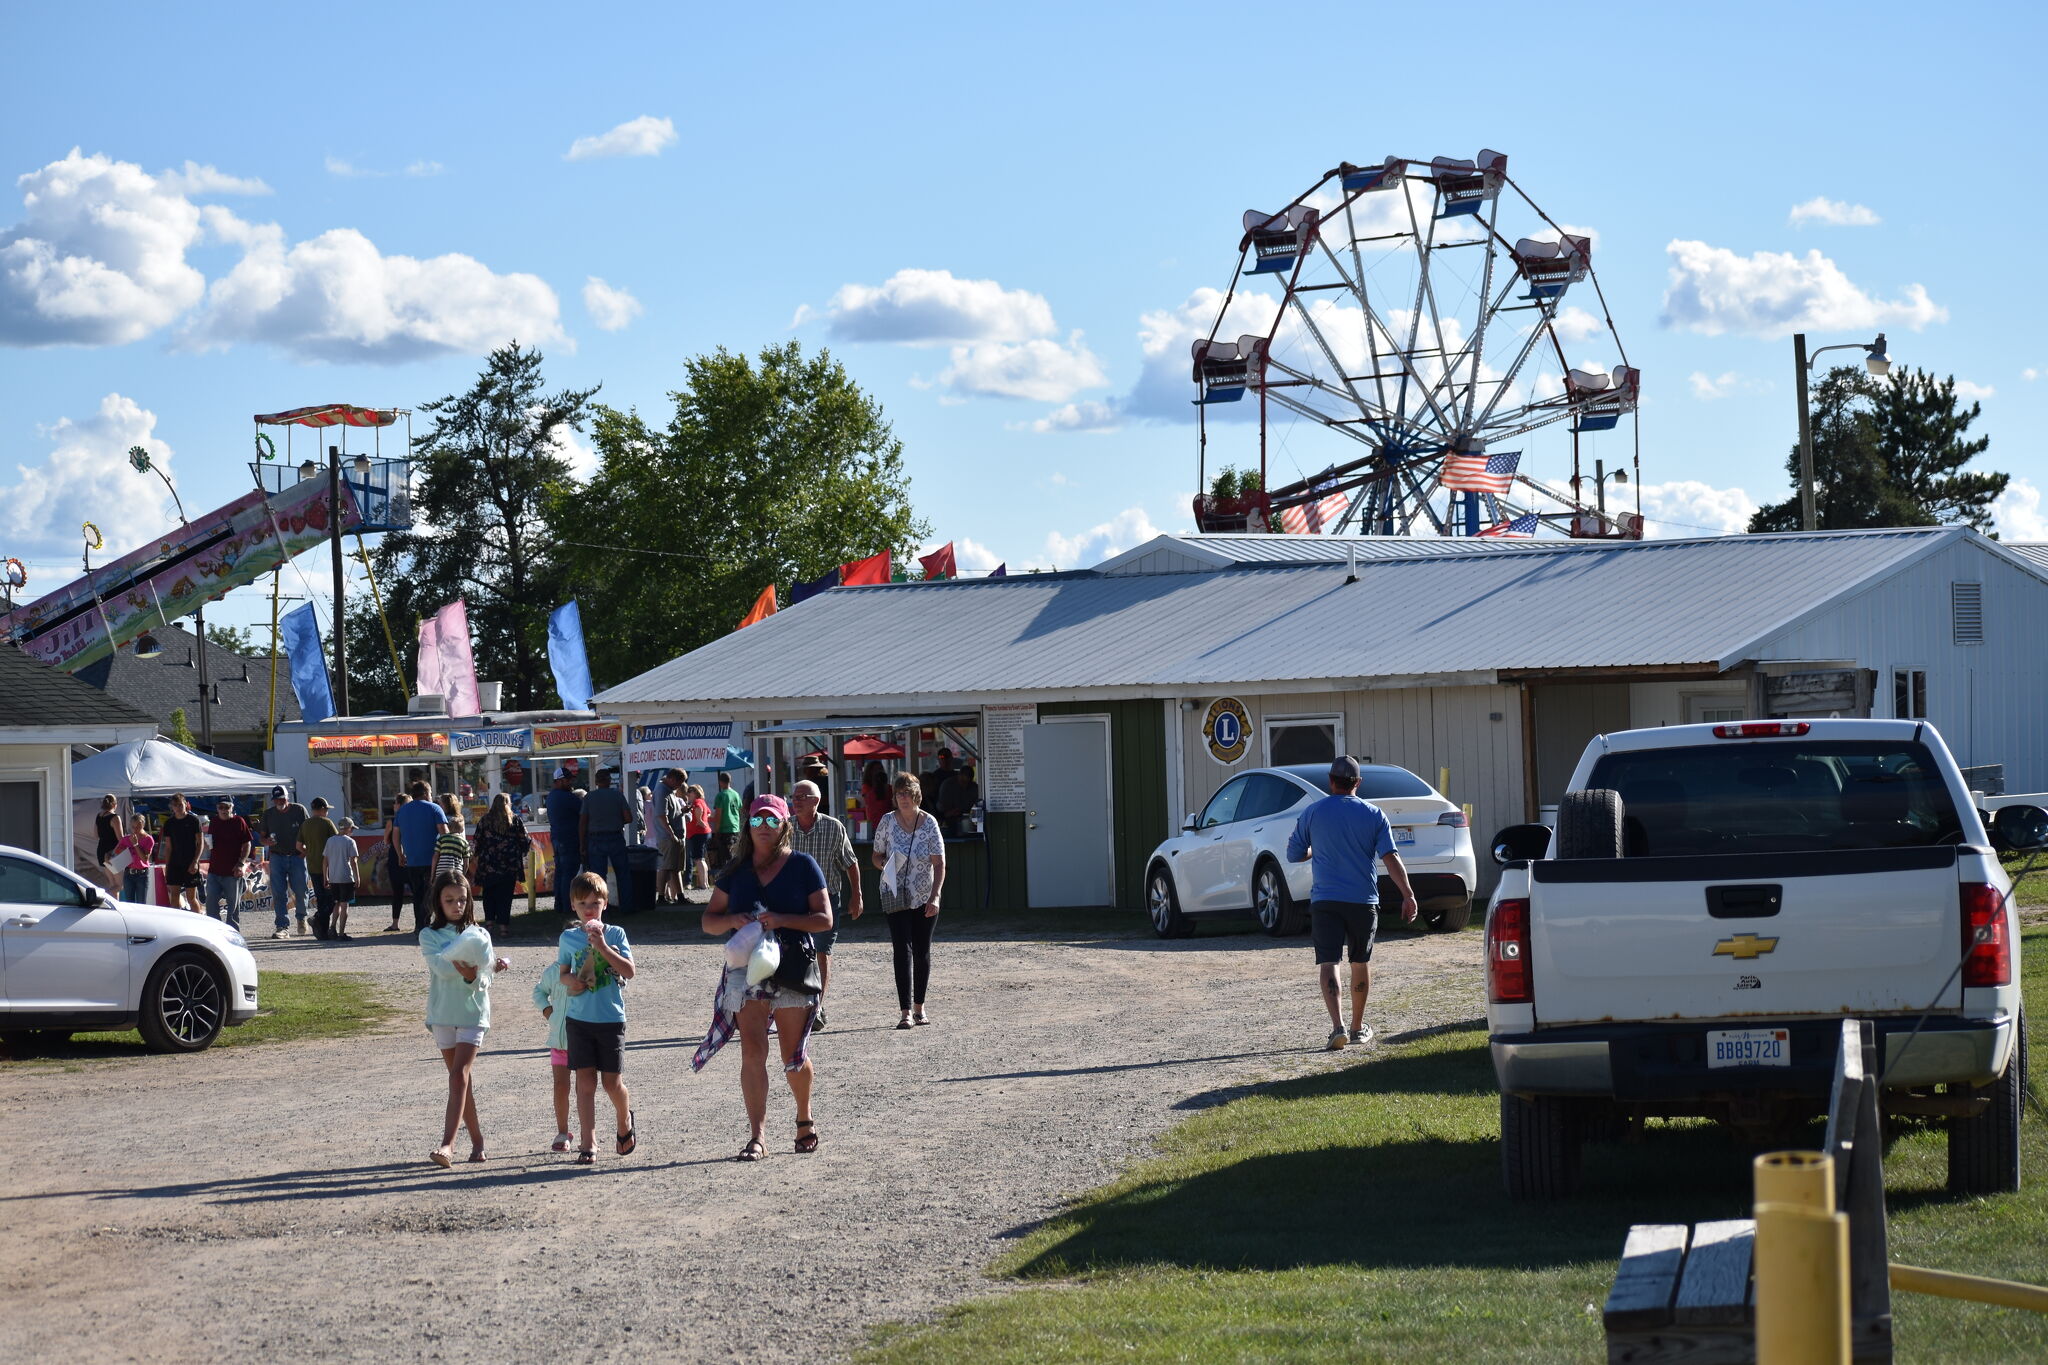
[(138, 456), (1877, 362), (1601, 478)]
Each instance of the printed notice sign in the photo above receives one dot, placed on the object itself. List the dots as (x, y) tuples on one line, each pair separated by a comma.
[(1002, 753)]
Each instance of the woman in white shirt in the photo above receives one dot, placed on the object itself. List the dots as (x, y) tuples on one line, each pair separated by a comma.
[(912, 855)]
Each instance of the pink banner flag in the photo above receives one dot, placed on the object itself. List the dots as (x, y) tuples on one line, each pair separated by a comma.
[(446, 665)]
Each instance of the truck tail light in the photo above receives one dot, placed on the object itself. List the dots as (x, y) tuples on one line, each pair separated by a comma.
[(1507, 954), (1987, 959), (1762, 729), (1454, 818)]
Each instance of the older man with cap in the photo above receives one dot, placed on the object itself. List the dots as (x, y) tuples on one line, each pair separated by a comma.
[(280, 831), (825, 839), (1343, 834), (565, 837)]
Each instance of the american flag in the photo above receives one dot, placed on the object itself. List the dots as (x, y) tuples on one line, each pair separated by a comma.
[(1476, 473), (1521, 528), (1313, 518)]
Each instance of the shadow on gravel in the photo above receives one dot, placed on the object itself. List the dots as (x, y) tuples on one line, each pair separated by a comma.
[(1121, 1066), (389, 1178)]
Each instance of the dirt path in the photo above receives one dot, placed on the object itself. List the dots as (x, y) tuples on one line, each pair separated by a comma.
[(275, 1202)]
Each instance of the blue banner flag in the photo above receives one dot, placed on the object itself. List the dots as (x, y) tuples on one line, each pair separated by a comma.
[(566, 657), (1001, 570), (799, 591), (300, 633)]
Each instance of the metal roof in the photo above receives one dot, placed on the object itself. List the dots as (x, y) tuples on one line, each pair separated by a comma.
[(2034, 552), (1226, 548), (1463, 616)]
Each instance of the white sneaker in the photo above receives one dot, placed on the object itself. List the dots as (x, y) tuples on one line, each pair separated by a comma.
[(563, 1142), (1335, 1042), (281, 931), (1361, 1034)]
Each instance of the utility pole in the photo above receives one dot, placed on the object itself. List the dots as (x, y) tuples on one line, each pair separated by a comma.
[(340, 603), (1809, 520)]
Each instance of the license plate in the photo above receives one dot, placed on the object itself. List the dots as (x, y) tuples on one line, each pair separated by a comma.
[(1403, 838), (1748, 1047)]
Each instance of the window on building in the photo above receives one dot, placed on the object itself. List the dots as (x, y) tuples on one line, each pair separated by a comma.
[(1303, 739), (1909, 693), (1966, 613)]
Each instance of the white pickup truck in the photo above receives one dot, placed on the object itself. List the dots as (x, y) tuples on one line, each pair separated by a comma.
[(1714, 900)]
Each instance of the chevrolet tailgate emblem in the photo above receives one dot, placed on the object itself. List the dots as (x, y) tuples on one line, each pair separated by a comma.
[(1744, 947)]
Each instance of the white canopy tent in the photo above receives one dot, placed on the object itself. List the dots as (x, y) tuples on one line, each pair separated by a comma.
[(160, 767)]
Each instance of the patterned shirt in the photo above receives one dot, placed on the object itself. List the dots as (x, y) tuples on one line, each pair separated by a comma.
[(916, 849), (829, 847)]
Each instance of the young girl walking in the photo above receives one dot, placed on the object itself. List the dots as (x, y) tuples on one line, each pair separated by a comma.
[(551, 998), (460, 963)]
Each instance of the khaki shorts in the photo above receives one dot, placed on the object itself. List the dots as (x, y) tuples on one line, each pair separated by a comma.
[(672, 856)]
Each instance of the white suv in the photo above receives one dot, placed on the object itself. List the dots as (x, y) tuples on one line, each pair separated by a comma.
[(72, 957)]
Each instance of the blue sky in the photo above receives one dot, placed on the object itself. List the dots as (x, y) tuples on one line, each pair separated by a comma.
[(984, 212)]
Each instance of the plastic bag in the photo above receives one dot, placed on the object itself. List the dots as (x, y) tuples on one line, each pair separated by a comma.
[(741, 945), (472, 946), (766, 957)]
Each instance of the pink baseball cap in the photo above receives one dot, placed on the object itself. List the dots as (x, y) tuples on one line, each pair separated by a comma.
[(772, 804)]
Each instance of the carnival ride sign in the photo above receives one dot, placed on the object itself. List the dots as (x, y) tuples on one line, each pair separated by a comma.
[(1227, 730)]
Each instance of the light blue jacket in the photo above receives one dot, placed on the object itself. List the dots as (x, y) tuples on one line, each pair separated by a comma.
[(451, 1001), (547, 991)]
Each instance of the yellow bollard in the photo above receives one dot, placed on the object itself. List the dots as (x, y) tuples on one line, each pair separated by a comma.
[(1802, 1262)]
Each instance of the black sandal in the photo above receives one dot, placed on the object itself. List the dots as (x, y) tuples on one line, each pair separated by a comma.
[(806, 1142), (628, 1140), (753, 1151), (585, 1157)]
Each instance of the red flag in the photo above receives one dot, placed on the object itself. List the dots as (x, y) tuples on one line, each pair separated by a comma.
[(865, 572), (939, 563), (763, 608)]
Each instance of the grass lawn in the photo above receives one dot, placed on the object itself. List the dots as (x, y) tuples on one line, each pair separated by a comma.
[(295, 1006), (1358, 1215), (2031, 889)]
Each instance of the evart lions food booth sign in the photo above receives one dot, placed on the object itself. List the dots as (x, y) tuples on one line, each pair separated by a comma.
[(679, 744)]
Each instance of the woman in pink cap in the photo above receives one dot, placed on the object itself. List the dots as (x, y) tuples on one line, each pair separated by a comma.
[(784, 892)]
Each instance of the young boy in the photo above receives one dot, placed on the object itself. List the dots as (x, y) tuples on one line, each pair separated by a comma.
[(595, 961), (339, 869)]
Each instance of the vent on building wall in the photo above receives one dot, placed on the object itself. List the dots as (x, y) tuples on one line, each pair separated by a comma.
[(1966, 612)]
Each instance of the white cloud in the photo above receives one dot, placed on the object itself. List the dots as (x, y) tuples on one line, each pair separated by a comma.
[(2018, 512), (348, 170), (422, 168), (643, 136), (609, 307), (98, 258), (1966, 389), (1043, 371), (1091, 416), (572, 448), (87, 478), (1774, 294), (337, 297), (1833, 212), (1687, 507), (1574, 323), (1128, 528), (971, 556), (933, 307), (2030, 374), (1707, 388), (196, 179)]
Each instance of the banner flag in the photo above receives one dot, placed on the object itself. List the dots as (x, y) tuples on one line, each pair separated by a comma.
[(763, 608), (864, 572), (800, 591), (939, 563), (1001, 570), (567, 658), (446, 664), (300, 632)]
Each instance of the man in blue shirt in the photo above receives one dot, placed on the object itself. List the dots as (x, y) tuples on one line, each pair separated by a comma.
[(1343, 835), (565, 838), (420, 822)]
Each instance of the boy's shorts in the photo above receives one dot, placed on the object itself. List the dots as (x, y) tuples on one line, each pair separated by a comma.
[(598, 1046), (558, 1056), (341, 893)]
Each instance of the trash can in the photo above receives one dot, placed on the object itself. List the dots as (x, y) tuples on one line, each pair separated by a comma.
[(644, 866)]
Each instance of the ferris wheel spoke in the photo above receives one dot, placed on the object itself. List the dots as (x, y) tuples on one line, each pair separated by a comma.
[(1476, 347), (1507, 382), (1344, 426), (1308, 322), (1379, 383)]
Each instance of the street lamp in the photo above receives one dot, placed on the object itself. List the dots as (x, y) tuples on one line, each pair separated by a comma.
[(138, 456), (1876, 361)]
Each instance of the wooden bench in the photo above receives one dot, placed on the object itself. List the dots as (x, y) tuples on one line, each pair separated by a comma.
[(1688, 1293)]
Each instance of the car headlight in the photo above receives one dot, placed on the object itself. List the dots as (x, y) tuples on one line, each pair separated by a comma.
[(235, 937)]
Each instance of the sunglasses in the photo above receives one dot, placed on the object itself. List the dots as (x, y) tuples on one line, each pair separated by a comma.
[(770, 821)]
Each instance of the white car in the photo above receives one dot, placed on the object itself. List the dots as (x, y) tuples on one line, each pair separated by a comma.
[(72, 957), (1233, 856)]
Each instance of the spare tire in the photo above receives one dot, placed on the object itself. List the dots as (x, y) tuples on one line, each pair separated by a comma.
[(1589, 824)]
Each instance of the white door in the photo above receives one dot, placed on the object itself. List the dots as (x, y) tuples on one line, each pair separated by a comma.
[(1067, 844), (58, 953)]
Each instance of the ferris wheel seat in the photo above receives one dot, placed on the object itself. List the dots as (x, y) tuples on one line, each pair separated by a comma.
[(1464, 187), (1225, 369), (1276, 240), (1552, 267), (1597, 421), (1381, 177)]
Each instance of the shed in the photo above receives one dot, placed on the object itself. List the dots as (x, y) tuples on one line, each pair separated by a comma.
[(42, 714), (1482, 666)]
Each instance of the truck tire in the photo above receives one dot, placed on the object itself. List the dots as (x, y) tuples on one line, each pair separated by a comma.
[(1589, 824), (1539, 1148), (1984, 1152)]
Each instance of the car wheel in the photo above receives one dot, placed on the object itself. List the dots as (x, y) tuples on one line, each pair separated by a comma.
[(1539, 1148), (1984, 1151), (1589, 824), (1274, 902), (184, 1004), (1455, 918), (1162, 902)]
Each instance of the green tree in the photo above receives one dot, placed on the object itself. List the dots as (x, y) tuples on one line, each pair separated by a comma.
[(1889, 452), (481, 480), (181, 729), (239, 639), (767, 472)]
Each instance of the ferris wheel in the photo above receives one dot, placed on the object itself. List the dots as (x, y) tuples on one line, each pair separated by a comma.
[(1423, 351)]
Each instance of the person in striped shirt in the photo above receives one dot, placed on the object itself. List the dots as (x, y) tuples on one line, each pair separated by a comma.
[(451, 850)]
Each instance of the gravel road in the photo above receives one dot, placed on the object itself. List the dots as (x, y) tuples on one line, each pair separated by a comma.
[(275, 1202)]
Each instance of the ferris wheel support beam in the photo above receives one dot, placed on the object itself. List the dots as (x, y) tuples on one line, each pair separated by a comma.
[(1477, 346), (1375, 326), (1358, 288), (1371, 417), (1507, 382), (1471, 350)]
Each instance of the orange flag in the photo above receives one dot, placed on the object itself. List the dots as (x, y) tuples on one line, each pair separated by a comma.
[(939, 563), (763, 608), (873, 569)]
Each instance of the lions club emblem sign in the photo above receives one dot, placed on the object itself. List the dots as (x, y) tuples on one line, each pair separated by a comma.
[(1227, 729)]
